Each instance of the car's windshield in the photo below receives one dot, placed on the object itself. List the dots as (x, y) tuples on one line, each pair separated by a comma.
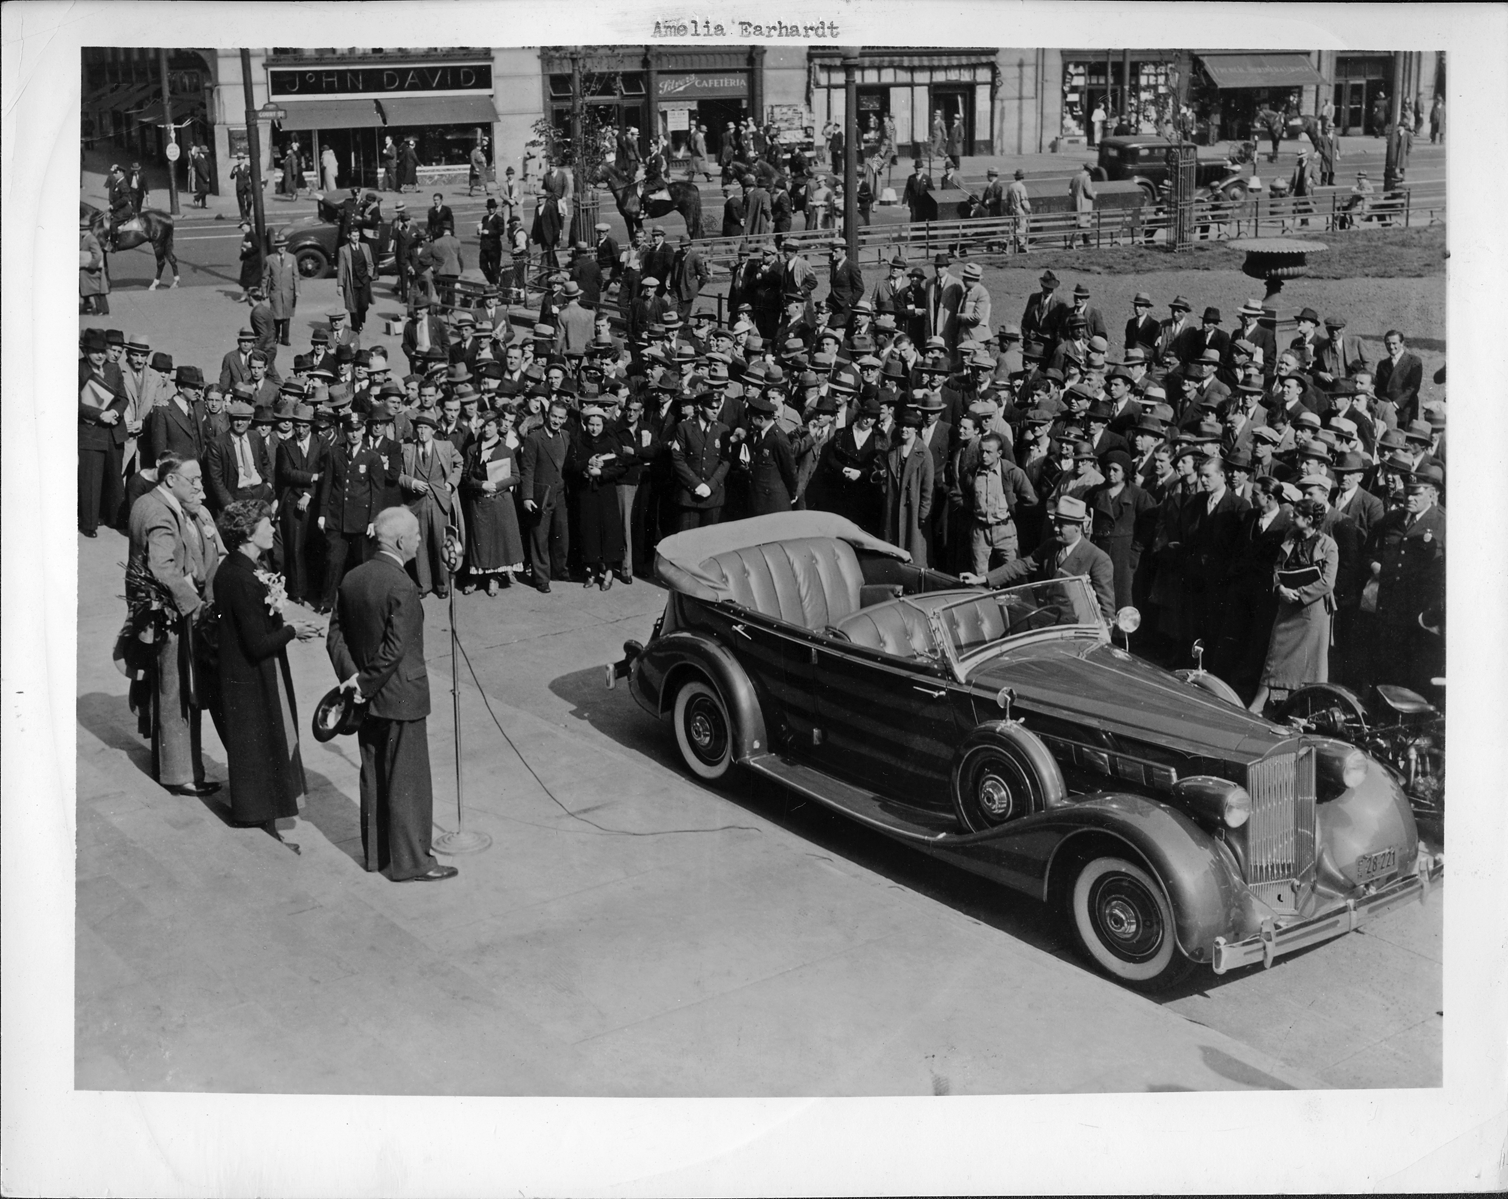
[(973, 625)]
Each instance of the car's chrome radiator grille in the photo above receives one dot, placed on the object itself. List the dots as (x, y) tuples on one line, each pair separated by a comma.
[(1280, 834)]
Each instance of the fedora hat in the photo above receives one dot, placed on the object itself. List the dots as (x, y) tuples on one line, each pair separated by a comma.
[(162, 362), (1178, 302), (336, 715), (189, 376), (1070, 509), (1308, 314), (1212, 314), (1430, 474)]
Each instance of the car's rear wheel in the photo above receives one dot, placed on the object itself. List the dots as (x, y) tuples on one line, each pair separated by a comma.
[(312, 263), (1007, 775), (703, 731), (1124, 924), (1236, 193)]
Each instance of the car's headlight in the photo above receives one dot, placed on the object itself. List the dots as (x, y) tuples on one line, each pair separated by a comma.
[(1338, 768), (1215, 799)]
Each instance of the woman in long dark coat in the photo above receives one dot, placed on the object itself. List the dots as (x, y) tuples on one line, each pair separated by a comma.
[(251, 259), (260, 728), (495, 550), (1125, 520), (1299, 652), (596, 465)]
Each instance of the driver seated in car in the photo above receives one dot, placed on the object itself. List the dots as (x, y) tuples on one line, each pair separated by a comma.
[(1066, 555)]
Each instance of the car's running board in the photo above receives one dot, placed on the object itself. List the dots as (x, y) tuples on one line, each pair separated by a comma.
[(864, 806)]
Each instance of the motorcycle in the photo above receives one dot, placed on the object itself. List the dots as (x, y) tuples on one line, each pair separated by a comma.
[(1399, 728)]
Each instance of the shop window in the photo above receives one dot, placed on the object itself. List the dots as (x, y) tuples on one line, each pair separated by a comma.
[(560, 87)]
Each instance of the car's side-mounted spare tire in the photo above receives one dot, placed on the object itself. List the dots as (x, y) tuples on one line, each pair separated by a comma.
[(1001, 773)]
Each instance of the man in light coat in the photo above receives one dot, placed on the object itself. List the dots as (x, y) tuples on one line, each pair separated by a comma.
[(431, 471), (943, 295), (174, 541), (973, 306), (1081, 188), (280, 283)]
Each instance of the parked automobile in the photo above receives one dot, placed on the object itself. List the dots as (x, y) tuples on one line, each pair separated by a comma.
[(314, 242), (1144, 160), (1004, 732)]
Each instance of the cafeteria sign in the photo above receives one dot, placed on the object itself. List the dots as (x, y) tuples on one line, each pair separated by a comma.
[(380, 81), (705, 86)]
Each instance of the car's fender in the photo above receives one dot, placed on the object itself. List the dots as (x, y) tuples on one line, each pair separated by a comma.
[(666, 662), (1208, 895)]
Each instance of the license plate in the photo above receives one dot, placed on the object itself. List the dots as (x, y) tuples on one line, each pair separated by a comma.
[(1374, 865)]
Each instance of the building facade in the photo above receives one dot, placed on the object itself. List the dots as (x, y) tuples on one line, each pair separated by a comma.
[(988, 100)]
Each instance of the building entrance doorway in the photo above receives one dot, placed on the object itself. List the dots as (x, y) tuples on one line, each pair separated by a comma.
[(957, 105)]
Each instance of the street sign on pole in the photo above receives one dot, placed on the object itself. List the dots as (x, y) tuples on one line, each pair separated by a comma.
[(172, 152), (271, 112)]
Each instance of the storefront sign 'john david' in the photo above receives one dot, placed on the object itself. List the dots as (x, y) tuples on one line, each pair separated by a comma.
[(367, 81)]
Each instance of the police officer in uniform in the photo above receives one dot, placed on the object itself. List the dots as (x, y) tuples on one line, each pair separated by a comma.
[(772, 463), (697, 455), (1408, 561)]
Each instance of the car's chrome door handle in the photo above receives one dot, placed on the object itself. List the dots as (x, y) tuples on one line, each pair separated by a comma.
[(742, 631), (935, 693)]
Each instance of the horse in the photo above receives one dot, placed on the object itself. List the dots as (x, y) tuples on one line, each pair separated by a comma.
[(684, 199), (149, 227)]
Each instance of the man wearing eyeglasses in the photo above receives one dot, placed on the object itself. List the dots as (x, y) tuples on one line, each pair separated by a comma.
[(174, 543)]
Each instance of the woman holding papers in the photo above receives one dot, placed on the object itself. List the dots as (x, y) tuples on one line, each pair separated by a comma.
[(1299, 651), (496, 551)]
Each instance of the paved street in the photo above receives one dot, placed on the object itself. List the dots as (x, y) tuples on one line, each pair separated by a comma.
[(629, 932), (208, 248)]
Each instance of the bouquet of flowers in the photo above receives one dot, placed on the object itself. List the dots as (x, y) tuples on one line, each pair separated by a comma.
[(277, 592)]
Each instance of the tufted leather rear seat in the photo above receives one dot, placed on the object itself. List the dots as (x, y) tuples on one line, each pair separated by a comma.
[(809, 581), (894, 628)]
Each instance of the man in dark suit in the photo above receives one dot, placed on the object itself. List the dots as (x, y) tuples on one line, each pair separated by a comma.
[(1337, 357), (1407, 557), (772, 465), (1079, 310), (349, 499), (1194, 344), (238, 465), (263, 324), (1254, 329), (1398, 378), (1039, 321), (1212, 523), (586, 273), (1065, 555), (846, 282), (542, 484), (689, 273), (1142, 329), (174, 426), (658, 258), (376, 644), (235, 367), (1173, 329), (300, 465), (918, 184), (102, 437), (439, 217), (607, 251), (700, 464)]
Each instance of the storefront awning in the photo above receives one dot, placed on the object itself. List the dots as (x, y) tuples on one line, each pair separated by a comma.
[(331, 114), (1261, 70), (439, 110)]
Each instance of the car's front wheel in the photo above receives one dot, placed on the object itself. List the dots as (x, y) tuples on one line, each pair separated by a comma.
[(1124, 924), (312, 262), (703, 730)]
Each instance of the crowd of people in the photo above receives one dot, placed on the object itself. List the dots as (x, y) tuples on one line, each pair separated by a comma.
[(1273, 496)]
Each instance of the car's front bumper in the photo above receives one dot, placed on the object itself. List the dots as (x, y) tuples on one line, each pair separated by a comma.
[(1273, 942)]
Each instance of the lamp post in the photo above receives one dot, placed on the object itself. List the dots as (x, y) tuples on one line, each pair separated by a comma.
[(1395, 161), (171, 151), (851, 149), (253, 151)]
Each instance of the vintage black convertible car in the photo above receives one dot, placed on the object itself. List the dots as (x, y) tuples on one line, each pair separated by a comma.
[(1004, 732)]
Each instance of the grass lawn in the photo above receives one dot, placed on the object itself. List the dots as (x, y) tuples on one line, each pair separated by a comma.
[(1363, 254)]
